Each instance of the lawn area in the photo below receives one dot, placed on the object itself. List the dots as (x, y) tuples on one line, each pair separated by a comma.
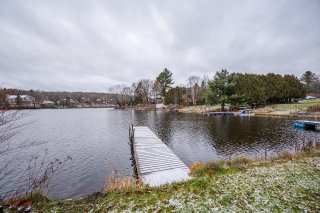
[(296, 106), (287, 108), (199, 109), (269, 109), (287, 183)]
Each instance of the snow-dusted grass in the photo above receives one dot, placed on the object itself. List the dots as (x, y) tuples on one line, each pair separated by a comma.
[(289, 183), (292, 187), (199, 109)]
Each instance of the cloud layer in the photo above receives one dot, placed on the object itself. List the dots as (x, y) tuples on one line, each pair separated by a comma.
[(91, 45)]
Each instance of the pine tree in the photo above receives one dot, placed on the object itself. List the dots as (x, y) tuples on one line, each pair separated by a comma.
[(165, 80), (222, 88), (309, 78), (18, 100)]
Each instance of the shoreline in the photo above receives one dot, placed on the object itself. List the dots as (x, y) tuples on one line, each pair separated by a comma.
[(262, 114), (240, 184), (287, 115), (36, 108)]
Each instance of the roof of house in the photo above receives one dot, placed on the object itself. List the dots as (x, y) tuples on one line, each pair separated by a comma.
[(21, 96), (48, 102), (312, 94)]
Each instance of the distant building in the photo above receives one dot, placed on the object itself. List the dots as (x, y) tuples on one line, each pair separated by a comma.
[(155, 99), (26, 100), (67, 102), (47, 103), (312, 94)]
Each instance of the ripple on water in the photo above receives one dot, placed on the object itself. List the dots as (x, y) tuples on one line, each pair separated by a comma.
[(97, 141)]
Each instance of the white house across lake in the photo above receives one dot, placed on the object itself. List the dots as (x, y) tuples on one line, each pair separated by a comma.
[(26, 100)]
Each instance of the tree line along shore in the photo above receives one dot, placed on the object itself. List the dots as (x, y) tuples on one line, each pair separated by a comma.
[(229, 90)]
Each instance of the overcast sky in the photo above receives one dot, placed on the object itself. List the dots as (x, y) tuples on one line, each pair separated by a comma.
[(85, 45)]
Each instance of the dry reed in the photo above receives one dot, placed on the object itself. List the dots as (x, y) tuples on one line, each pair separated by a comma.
[(119, 182)]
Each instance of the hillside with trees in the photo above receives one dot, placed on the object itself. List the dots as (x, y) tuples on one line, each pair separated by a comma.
[(224, 88)]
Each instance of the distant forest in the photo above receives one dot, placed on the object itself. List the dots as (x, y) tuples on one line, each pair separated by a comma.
[(234, 89)]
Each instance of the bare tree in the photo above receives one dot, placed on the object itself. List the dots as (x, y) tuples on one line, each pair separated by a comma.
[(148, 88), (10, 124), (9, 127), (144, 90), (156, 90), (38, 174), (117, 93), (128, 93), (204, 83), (193, 82)]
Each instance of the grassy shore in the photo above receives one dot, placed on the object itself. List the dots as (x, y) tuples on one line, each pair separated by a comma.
[(286, 183), (198, 109), (286, 110)]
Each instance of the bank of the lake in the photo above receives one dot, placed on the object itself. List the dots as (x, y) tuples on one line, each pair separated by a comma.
[(287, 182), (97, 141), (297, 109)]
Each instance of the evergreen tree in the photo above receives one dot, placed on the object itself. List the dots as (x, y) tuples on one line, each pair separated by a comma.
[(175, 95), (252, 86), (18, 100), (309, 78), (293, 88), (221, 88), (165, 80)]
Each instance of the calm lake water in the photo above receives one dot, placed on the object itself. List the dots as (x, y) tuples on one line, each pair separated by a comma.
[(97, 140)]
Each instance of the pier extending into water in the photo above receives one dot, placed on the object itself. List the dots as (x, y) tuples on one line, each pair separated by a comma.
[(156, 164), (220, 113)]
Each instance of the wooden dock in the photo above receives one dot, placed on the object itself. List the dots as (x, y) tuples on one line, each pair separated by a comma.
[(156, 164), (220, 113), (313, 125)]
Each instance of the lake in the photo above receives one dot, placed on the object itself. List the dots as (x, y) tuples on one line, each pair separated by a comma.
[(97, 141)]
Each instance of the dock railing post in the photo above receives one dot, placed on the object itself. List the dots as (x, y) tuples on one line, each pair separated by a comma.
[(131, 133), (133, 151)]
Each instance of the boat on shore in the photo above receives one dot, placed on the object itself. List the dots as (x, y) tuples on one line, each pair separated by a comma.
[(246, 112)]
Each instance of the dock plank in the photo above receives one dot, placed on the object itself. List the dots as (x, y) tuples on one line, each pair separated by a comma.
[(156, 163)]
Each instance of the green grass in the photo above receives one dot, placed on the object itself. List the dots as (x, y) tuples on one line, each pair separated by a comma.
[(285, 108), (200, 108), (286, 183), (298, 106)]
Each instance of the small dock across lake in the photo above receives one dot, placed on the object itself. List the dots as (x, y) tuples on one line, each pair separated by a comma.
[(314, 125), (156, 164), (220, 113)]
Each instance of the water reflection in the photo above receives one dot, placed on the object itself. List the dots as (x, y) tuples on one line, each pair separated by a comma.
[(97, 140)]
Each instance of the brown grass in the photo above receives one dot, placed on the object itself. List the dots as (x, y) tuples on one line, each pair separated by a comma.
[(220, 166), (116, 182), (195, 166), (315, 108), (284, 156)]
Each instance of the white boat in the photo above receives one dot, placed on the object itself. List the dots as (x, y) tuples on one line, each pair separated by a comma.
[(246, 112)]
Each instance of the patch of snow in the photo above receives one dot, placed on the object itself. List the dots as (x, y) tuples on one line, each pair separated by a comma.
[(166, 177)]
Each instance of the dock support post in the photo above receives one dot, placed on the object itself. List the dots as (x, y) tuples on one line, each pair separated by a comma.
[(131, 137)]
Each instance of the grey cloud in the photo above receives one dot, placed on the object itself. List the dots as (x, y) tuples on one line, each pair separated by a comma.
[(92, 45)]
